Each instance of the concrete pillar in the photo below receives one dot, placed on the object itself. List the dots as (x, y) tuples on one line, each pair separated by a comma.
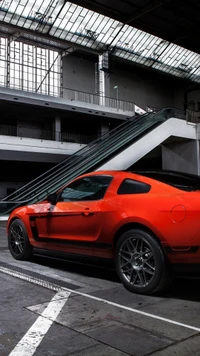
[(104, 79), (57, 129), (105, 129), (8, 64), (181, 156)]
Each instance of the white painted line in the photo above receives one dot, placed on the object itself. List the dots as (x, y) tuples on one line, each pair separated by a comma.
[(31, 340), (56, 287)]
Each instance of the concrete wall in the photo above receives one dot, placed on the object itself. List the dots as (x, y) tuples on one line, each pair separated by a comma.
[(29, 129), (192, 98), (34, 127), (136, 84), (146, 88), (181, 156), (29, 149), (79, 73)]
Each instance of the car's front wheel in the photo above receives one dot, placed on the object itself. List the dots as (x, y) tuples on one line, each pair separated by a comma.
[(140, 262), (18, 241)]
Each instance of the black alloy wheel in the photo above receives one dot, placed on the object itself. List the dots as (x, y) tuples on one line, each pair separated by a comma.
[(140, 262), (18, 241)]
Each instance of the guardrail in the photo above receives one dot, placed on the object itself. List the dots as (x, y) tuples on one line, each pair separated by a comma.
[(97, 99), (193, 116), (41, 134)]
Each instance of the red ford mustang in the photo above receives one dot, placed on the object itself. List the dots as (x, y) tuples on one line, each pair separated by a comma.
[(147, 222)]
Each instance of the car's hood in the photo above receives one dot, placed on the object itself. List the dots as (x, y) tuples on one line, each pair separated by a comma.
[(31, 209)]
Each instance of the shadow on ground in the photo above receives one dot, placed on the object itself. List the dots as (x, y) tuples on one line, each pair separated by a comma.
[(180, 288), (96, 269)]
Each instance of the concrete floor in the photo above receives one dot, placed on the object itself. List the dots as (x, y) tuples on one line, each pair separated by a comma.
[(57, 308)]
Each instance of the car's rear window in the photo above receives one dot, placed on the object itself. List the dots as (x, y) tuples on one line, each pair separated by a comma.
[(183, 181), (130, 186)]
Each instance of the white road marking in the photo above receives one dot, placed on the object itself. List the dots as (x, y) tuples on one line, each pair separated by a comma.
[(31, 340), (56, 287)]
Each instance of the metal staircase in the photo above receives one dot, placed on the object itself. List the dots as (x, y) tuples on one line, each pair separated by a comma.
[(87, 159)]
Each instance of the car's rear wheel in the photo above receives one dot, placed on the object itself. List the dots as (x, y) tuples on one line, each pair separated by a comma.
[(140, 262), (18, 241)]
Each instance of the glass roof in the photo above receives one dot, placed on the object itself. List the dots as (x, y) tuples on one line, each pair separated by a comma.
[(83, 27)]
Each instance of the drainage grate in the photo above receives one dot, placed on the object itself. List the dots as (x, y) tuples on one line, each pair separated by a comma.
[(42, 277)]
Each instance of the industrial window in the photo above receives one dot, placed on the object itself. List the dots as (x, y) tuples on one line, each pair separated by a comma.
[(29, 67)]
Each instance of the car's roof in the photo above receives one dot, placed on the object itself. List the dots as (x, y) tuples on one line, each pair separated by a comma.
[(115, 173), (180, 180), (158, 174)]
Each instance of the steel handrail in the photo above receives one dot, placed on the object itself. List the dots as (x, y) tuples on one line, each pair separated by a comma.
[(79, 152), (153, 119), (91, 152)]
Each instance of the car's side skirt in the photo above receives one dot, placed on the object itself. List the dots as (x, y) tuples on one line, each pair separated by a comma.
[(72, 257)]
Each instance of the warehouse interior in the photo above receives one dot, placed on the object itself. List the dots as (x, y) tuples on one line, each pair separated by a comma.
[(74, 72)]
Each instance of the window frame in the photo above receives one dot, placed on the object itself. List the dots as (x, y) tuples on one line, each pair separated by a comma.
[(59, 197), (148, 186)]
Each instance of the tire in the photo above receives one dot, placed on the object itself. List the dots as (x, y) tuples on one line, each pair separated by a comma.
[(18, 241), (140, 262)]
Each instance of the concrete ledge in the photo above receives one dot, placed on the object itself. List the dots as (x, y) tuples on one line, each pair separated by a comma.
[(3, 218)]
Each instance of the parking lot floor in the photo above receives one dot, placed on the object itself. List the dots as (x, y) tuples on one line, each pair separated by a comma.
[(58, 308)]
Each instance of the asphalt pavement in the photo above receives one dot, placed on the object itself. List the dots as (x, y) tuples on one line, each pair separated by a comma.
[(58, 308)]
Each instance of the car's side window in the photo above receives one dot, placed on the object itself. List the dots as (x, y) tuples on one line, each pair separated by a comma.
[(130, 186), (87, 188)]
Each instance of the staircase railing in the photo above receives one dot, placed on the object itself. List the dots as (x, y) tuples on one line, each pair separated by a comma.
[(90, 157)]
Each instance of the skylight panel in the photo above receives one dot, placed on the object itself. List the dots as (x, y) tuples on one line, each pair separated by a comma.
[(80, 26), (84, 27), (29, 13)]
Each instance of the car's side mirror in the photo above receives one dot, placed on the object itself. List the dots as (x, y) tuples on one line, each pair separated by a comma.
[(52, 198)]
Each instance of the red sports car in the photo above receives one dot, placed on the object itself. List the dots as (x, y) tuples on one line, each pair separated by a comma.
[(147, 222)]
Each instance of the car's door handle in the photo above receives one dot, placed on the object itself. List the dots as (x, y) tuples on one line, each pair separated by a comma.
[(87, 212)]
